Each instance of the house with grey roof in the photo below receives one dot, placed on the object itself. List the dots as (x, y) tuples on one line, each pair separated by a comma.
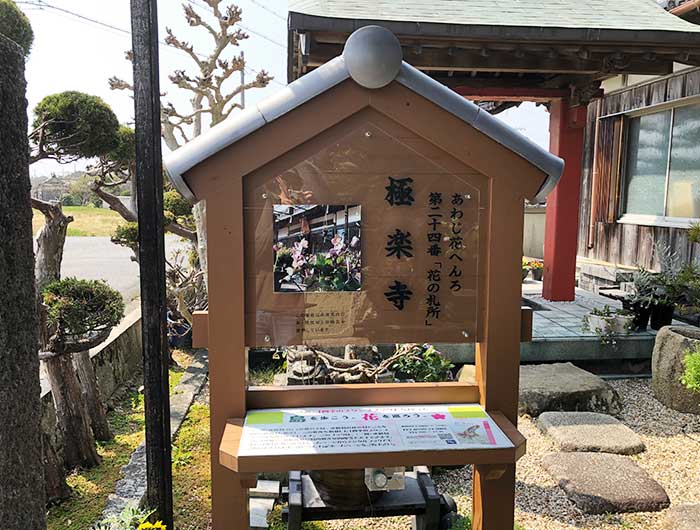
[(622, 83)]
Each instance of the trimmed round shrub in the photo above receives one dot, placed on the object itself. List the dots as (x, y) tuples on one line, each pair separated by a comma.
[(127, 235), (176, 204), (77, 125), (78, 308)]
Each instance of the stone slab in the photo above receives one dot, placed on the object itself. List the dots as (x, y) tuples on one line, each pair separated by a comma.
[(604, 483), (684, 517), (266, 489), (564, 387), (258, 511), (590, 432)]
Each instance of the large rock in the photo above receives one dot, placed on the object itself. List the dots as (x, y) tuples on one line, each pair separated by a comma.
[(590, 432), (466, 374), (563, 386), (684, 517), (667, 368), (603, 483)]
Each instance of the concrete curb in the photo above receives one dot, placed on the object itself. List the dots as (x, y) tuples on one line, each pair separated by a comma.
[(131, 488)]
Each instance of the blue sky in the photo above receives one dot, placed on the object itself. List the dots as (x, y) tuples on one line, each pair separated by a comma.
[(72, 53)]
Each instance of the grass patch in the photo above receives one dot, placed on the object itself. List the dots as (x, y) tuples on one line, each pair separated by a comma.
[(88, 221), (275, 521), (265, 374), (92, 486), (191, 473), (465, 523)]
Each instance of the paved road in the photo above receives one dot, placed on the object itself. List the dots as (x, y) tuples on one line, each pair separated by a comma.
[(97, 258)]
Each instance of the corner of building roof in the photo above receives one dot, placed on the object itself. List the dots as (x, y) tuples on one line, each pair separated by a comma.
[(486, 123)]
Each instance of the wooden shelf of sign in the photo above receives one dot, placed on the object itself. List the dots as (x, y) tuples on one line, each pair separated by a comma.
[(228, 454), (368, 394)]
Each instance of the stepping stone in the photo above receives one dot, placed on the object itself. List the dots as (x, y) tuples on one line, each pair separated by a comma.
[(601, 483), (590, 432), (563, 386), (266, 489), (685, 517), (259, 508)]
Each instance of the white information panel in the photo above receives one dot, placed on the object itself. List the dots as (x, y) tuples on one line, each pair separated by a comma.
[(333, 430)]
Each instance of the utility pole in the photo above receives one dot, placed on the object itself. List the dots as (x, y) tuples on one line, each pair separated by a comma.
[(149, 178)]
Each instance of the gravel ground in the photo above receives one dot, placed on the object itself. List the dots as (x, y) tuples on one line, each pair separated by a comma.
[(672, 458)]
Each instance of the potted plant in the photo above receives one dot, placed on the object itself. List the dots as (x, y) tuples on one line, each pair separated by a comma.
[(526, 268), (663, 297), (639, 300), (608, 323), (688, 302), (536, 268)]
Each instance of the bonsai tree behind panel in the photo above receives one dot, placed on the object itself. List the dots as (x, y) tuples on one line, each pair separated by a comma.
[(81, 314)]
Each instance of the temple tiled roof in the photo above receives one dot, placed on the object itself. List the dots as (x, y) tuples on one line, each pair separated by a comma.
[(589, 14)]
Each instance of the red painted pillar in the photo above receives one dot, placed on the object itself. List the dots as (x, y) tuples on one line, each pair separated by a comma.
[(566, 129)]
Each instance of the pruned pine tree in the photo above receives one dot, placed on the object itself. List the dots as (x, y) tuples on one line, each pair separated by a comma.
[(80, 315), (211, 84), (67, 126)]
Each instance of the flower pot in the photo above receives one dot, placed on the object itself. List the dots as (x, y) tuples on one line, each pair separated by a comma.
[(641, 314), (618, 324), (525, 273), (537, 274), (661, 315), (621, 324)]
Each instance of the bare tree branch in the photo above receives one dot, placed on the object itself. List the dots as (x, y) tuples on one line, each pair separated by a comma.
[(49, 210), (172, 40), (118, 206), (58, 345)]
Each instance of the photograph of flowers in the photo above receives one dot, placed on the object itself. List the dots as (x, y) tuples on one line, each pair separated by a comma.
[(316, 248)]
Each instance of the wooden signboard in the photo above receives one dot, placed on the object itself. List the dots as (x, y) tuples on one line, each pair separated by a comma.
[(412, 247), (364, 204)]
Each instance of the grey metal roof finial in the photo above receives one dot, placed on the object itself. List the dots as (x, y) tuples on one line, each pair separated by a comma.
[(373, 56)]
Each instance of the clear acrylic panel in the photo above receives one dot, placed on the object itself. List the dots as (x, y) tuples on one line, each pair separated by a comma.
[(647, 160), (684, 178), (374, 239)]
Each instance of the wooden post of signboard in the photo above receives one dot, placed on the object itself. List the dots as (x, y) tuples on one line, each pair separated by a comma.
[(227, 349), (498, 354)]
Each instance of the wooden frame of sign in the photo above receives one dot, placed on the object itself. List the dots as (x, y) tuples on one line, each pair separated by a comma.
[(228, 181)]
